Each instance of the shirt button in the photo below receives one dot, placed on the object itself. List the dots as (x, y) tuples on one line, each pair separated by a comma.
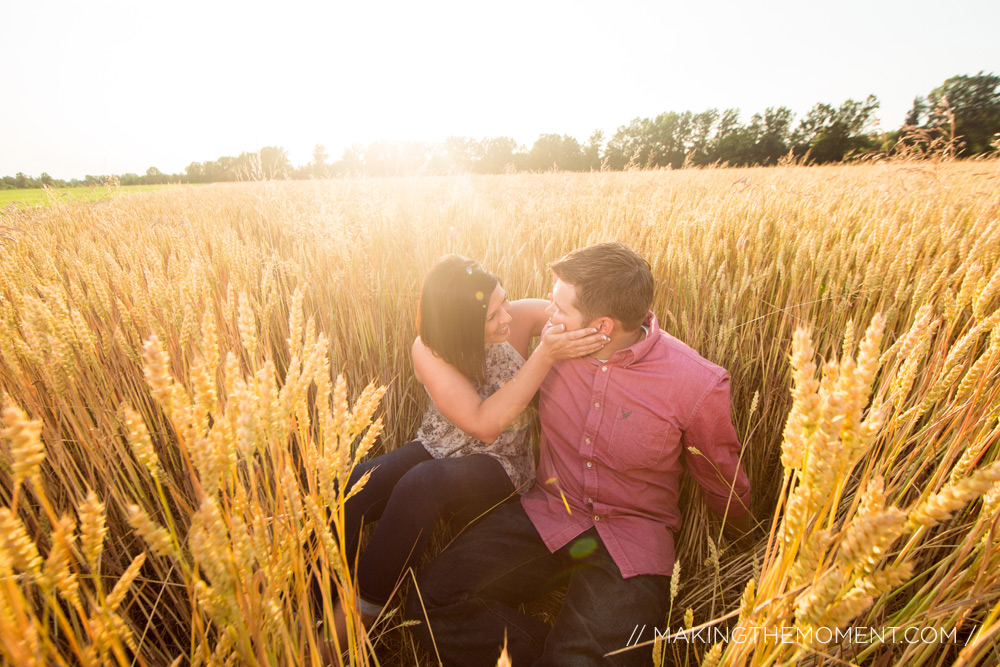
[(597, 405), (590, 501), (587, 440), (604, 368), (597, 518), (590, 464)]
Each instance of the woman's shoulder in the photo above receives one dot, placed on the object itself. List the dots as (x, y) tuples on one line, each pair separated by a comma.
[(431, 370), (423, 359)]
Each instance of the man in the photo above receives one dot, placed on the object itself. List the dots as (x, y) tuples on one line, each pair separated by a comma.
[(618, 428)]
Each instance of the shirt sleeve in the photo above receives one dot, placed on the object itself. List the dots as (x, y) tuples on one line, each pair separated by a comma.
[(712, 453)]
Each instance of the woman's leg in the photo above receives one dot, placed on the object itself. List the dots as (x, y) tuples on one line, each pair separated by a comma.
[(363, 508), (367, 505), (431, 489)]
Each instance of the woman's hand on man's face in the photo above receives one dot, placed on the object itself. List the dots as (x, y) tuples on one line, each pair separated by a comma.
[(561, 344)]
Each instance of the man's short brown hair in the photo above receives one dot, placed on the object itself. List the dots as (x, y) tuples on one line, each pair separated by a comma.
[(611, 280)]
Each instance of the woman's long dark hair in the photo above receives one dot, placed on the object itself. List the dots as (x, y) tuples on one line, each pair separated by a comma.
[(451, 315)]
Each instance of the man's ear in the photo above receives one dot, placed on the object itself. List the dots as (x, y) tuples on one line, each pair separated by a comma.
[(605, 325)]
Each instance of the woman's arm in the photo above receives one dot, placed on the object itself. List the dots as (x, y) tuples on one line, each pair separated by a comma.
[(485, 419), (529, 317)]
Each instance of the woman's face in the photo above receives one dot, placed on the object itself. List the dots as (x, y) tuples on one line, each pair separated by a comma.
[(497, 317)]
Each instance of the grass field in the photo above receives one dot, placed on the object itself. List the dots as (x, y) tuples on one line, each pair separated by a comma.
[(42, 197), (173, 421)]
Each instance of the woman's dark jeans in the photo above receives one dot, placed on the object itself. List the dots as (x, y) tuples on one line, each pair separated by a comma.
[(407, 493)]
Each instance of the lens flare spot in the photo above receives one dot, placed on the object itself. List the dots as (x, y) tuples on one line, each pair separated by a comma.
[(468, 270), (479, 296), (583, 547)]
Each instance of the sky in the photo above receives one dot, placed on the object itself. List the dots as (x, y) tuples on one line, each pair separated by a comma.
[(111, 87)]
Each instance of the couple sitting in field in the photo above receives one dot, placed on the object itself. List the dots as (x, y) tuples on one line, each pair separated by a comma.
[(624, 409)]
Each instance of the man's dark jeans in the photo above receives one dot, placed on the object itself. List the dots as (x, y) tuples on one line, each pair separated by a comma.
[(471, 593)]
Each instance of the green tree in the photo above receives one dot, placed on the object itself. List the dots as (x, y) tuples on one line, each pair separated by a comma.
[(318, 168), (729, 123), (351, 162), (773, 133), (592, 151), (154, 175), (733, 143), (830, 134), (194, 173), (556, 151), (630, 144), (699, 152), (225, 169), (274, 163), (211, 171), (917, 112), (497, 155), (974, 102), (668, 138), (460, 154)]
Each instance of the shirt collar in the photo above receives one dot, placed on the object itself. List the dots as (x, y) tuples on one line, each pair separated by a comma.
[(635, 352)]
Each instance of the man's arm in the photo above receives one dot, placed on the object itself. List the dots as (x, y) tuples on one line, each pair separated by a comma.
[(712, 456), (739, 530)]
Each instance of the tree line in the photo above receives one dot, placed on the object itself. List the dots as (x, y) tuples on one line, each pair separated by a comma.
[(962, 114)]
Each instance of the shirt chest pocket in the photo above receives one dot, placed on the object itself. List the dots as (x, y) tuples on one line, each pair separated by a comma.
[(640, 440)]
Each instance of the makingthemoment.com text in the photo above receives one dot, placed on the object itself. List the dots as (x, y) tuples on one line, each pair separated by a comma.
[(806, 635)]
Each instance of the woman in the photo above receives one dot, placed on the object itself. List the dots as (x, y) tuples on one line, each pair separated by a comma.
[(472, 356)]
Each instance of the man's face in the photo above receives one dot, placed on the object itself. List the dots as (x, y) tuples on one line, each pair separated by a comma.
[(562, 307)]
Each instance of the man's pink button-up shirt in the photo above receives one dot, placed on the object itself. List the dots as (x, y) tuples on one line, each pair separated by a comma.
[(617, 435)]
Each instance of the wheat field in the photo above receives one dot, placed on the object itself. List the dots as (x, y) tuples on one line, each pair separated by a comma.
[(188, 376)]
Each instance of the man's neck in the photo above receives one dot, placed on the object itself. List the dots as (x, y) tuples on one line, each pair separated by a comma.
[(620, 340)]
